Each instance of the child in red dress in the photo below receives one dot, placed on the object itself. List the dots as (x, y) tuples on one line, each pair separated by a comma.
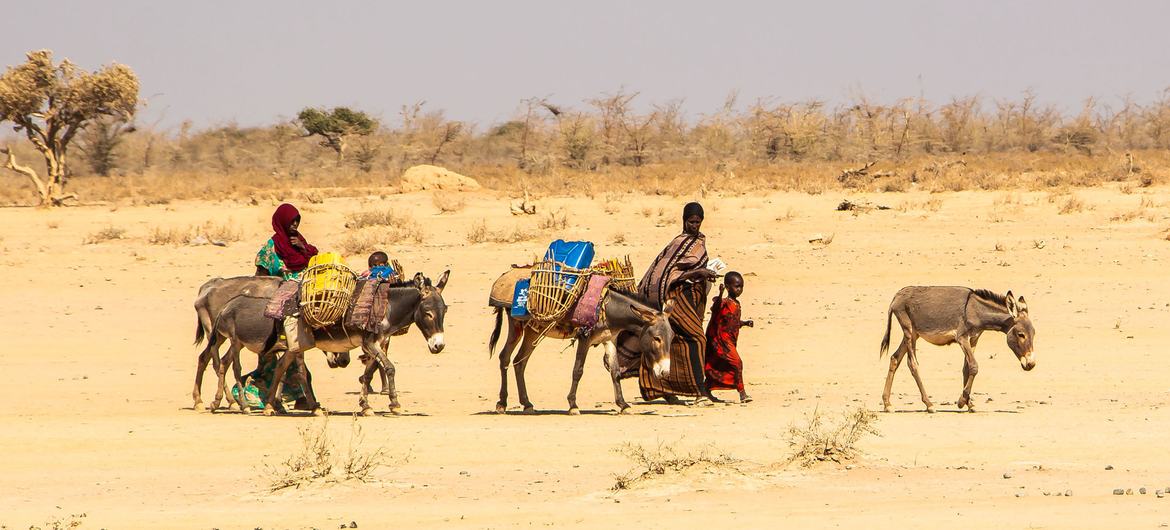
[(724, 368)]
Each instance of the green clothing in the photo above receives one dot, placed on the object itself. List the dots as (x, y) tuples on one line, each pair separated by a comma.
[(270, 261)]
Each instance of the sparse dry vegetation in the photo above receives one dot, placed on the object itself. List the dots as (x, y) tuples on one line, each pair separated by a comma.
[(663, 459), (207, 233), (604, 144), (554, 220), (321, 459), (479, 233), (108, 233), (819, 441), (1072, 204)]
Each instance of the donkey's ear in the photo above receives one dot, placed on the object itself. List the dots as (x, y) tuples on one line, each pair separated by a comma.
[(420, 281), (1022, 305), (647, 316), (1013, 310), (443, 280)]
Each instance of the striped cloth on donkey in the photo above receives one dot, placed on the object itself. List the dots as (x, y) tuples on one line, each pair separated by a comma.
[(371, 304)]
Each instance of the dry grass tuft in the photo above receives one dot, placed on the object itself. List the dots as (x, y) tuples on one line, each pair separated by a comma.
[(618, 238), (479, 233), (60, 523), (1072, 205), (448, 203), (817, 441), (208, 233), (108, 233), (663, 459), (788, 215), (932, 204), (365, 218), (554, 220), (320, 460)]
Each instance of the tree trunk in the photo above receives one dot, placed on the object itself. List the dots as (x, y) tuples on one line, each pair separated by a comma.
[(44, 191)]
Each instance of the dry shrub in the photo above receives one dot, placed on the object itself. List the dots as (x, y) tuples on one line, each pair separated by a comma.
[(663, 459), (448, 203), (108, 233), (53, 225), (320, 460), (169, 236), (646, 211), (364, 218), (618, 238), (818, 441), (359, 243), (1072, 205), (788, 215), (554, 220)]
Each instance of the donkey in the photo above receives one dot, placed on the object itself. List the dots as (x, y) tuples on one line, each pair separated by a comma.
[(949, 315), (242, 321), (213, 296), (620, 312)]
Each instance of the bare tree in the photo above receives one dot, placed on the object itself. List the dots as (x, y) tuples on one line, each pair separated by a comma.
[(51, 103)]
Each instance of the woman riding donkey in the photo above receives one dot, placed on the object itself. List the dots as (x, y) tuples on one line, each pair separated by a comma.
[(286, 254), (679, 274)]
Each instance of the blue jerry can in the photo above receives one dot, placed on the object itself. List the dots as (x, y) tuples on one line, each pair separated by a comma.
[(520, 300), (575, 254)]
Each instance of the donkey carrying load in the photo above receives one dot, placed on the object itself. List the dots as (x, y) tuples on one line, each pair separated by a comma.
[(955, 315), (618, 311), (239, 304)]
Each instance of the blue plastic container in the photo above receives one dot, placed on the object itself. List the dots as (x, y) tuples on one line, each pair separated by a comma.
[(382, 271), (520, 300), (575, 254)]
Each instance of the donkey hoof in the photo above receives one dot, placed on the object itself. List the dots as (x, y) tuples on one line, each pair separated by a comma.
[(930, 409), (395, 409), (574, 411), (529, 409), (501, 408), (887, 408), (198, 407), (269, 411), (367, 412), (625, 409)]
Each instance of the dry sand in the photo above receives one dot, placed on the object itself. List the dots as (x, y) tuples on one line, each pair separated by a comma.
[(98, 364)]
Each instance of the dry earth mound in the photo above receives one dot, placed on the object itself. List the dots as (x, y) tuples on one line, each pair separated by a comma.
[(425, 177)]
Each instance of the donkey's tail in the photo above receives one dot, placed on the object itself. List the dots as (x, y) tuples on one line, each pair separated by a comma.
[(198, 330), (886, 339), (496, 332)]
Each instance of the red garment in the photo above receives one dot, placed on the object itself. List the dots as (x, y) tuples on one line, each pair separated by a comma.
[(294, 258), (724, 368)]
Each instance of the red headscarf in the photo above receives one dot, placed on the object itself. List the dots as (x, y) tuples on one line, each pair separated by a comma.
[(294, 258)]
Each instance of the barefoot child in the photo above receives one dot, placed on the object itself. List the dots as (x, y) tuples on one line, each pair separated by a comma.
[(724, 368)]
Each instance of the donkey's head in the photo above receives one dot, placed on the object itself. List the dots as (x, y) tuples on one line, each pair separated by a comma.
[(655, 337), (1021, 334), (428, 316)]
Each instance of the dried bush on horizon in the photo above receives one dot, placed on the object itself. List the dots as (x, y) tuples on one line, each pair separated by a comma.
[(320, 459), (108, 233)]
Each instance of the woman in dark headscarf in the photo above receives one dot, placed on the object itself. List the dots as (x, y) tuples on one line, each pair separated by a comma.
[(287, 253), (680, 274)]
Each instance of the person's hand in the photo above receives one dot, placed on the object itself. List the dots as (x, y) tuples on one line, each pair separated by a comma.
[(721, 288), (749, 323), (297, 242), (703, 274)]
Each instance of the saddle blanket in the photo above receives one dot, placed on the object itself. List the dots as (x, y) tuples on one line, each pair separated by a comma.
[(285, 302), (588, 309), (371, 304)]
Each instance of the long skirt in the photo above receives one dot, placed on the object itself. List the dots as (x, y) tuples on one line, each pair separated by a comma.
[(687, 349)]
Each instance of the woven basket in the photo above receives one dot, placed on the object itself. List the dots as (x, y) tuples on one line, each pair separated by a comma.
[(553, 289), (326, 292), (621, 272)]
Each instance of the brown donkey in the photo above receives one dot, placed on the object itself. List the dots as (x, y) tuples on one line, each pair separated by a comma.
[(955, 315)]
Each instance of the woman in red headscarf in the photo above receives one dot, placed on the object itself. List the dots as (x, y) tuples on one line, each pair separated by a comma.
[(287, 253)]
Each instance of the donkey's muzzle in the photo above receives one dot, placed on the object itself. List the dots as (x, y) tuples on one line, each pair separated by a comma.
[(436, 343), (1027, 362)]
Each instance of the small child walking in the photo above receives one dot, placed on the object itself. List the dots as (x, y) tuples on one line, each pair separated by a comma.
[(724, 368)]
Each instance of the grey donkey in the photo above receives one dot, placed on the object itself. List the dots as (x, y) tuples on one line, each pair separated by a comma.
[(955, 315), (619, 312)]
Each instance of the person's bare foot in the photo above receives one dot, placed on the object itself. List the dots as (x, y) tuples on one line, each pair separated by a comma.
[(672, 399), (744, 398)]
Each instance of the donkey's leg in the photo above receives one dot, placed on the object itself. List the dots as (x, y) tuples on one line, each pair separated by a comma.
[(527, 345), (913, 362), (221, 365), (514, 334), (305, 379), (970, 368), (578, 371), (273, 398), (200, 367), (615, 373), (387, 379), (895, 362)]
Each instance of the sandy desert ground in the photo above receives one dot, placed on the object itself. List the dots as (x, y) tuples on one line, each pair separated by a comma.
[(98, 364)]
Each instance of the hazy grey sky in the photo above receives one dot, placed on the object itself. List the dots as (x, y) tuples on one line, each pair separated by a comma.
[(254, 61)]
